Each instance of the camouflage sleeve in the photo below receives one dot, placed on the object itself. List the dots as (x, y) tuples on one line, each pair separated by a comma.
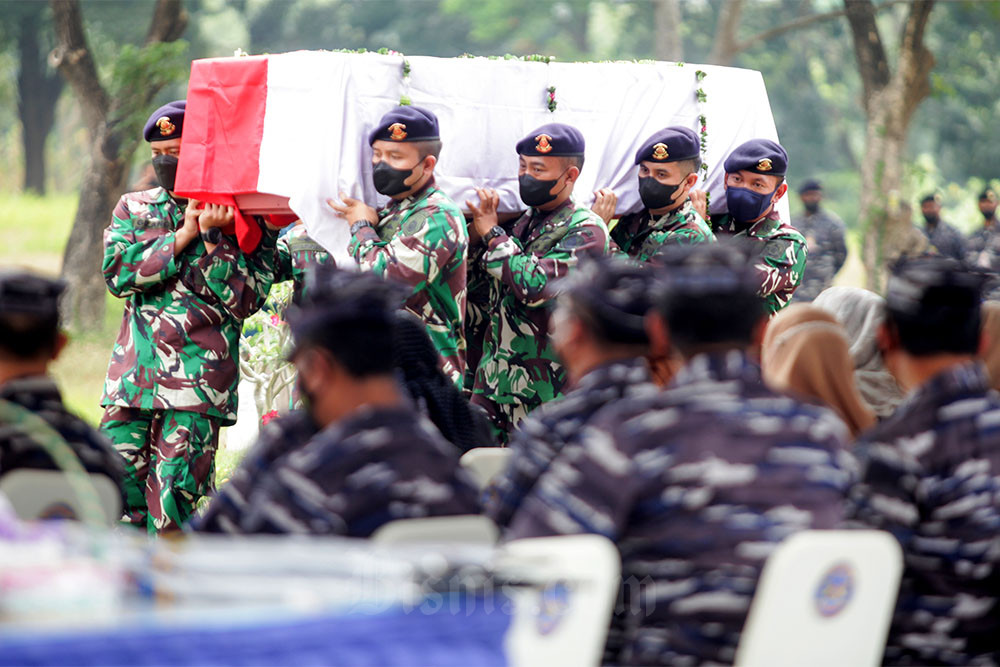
[(528, 275), (588, 488), (781, 263), (133, 261), (284, 265), (426, 243), (236, 280)]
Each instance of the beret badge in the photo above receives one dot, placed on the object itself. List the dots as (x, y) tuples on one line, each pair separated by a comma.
[(660, 152), (166, 127), (764, 165), (544, 144), (397, 131)]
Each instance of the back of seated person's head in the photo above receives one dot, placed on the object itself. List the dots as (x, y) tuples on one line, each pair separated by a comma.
[(933, 307), (611, 298), (350, 316), (709, 299), (29, 317)]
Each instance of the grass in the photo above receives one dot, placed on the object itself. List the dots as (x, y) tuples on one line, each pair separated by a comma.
[(33, 233)]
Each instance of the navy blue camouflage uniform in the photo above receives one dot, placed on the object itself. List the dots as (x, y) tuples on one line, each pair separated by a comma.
[(546, 431), (371, 467), (696, 486), (930, 475)]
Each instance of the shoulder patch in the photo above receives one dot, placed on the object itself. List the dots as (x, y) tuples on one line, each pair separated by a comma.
[(414, 223), (776, 248)]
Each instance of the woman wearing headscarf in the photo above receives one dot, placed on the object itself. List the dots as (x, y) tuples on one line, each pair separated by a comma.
[(805, 353), (861, 313)]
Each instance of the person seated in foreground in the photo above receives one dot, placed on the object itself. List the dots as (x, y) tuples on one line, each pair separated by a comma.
[(697, 484), (360, 454), (598, 331), (36, 429), (805, 355), (930, 474)]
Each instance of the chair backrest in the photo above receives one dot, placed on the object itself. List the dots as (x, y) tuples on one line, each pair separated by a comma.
[(461, 529), (563, 617), (825, 597), (485, 463), (47, 494)]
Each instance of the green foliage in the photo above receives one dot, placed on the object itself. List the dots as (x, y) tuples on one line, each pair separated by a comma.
[(151, 66)]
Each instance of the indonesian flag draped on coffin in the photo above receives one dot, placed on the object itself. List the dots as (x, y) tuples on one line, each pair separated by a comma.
[(286, 132)]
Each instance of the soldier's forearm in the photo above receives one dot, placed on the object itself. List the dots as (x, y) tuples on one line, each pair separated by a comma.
[(183, 238)]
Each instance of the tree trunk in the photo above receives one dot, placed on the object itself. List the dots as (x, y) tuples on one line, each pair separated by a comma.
[(112, 144), (38, 93), (726, 46), (667, 41), (890, 99)]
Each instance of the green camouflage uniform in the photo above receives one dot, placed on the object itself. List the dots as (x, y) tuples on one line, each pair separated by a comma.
[(421, 241), (519, 369), (296, 252), (781, 256), (641, 237), (173, 373)]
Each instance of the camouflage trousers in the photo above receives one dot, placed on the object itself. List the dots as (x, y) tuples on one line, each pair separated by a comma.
[(169, 462), (504, 417)]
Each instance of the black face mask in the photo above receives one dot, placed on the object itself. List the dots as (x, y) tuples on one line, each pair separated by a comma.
[(165, 167), (988, 214), (389, 180), (535, 192), (812, 206), (931, 218), (656, 195)]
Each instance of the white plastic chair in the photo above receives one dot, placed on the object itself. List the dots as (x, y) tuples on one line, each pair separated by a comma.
[(473, 529), (563, 617), (47, 494), (825, 597), (485, 463)]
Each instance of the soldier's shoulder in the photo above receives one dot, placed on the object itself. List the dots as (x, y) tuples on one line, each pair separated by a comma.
[(442, 202), (583, 216), (151, 196), (783, 230)]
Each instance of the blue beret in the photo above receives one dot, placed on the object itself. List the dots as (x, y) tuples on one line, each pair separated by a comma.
[(166, 122), (552, 140), (671, 144), (761, 156), (407, 123)]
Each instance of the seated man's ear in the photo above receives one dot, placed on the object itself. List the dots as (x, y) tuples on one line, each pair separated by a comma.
[(887, 338), (572, 174), (62, 340), (659, 334), (429, 162)]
